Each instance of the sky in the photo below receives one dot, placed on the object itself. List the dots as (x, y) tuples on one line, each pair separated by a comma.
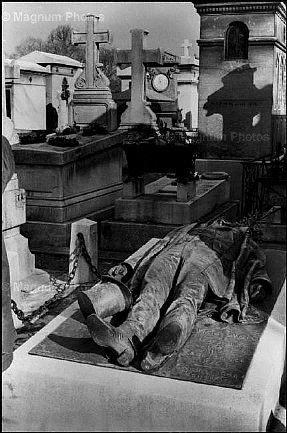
[(168, 23)]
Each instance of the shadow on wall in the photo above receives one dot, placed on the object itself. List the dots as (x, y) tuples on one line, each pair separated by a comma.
[(246, 117), (51, 118)]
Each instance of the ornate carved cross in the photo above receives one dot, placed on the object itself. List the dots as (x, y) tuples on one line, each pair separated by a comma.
[(92, 38)]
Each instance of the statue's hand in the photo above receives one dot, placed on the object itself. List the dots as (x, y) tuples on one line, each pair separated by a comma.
[(118, 272), (257, 292)]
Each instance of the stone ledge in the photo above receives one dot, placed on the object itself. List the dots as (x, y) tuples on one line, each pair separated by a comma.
[(118, 238), (42, 153)]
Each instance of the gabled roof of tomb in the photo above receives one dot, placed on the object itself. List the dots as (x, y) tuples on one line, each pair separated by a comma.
[(27, 66), (42, 57)]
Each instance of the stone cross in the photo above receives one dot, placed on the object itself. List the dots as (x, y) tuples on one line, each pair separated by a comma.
[(92, 38), (185, 46), (138, 112)]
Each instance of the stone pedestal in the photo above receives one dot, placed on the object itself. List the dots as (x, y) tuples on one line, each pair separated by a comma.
[(66, 184), (92, 100), (89, 230), (92, 106), (21, 261), (25, 279)]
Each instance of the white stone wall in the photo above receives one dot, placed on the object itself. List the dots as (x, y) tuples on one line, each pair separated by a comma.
[(29, 102)]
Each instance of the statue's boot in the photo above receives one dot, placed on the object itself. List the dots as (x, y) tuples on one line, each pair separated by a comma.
[(105, 299), (174, 330), (106, 335)]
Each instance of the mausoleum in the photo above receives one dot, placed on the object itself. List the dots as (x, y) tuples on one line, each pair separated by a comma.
[(25, 83)]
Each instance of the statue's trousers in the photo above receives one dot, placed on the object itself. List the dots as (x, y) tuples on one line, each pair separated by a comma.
[(170, 288)]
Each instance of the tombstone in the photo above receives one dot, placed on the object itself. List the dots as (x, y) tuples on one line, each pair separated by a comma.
[(92, 99), (152, 75), (187, 81)]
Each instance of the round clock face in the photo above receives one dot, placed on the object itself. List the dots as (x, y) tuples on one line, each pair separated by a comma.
[(160, 82)]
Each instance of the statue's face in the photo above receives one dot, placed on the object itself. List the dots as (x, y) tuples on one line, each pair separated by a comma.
[(118, 272)]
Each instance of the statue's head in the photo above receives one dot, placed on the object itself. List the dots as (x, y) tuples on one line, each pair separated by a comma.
[(122, 272)]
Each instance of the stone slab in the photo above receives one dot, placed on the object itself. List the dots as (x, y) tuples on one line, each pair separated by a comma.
[(162, 206), (232, 167), (57, 193), (117, 239), (37, 392), (42, 153), (215, 353), (66, 184), (275, 233), (52, 236)]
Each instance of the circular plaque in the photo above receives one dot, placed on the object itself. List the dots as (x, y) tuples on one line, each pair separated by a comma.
[(160, 82)]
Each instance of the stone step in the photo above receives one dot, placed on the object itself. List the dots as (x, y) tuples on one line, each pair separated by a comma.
[(126, 237), (118, 239)]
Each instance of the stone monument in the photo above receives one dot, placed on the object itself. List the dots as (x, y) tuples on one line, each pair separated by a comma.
[(146, 80), (92, 99), (180, 197)]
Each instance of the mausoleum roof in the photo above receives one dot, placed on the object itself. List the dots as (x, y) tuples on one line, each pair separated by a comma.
[(27, 66), (51, 59)]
